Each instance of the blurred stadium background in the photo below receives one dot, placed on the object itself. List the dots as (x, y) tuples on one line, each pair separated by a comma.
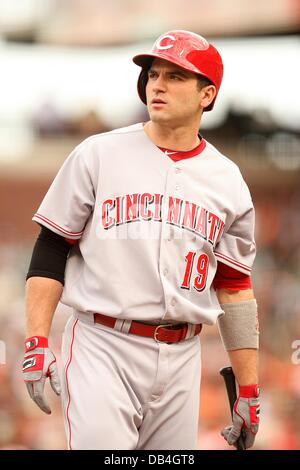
[(66, 73)]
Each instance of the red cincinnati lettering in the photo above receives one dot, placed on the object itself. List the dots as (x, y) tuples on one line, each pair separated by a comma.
[(213, 219), (107, 221), (119, 203), (157, 206), (146, 199), (201, 223), (174, 210), (189, 215), (131, 211)]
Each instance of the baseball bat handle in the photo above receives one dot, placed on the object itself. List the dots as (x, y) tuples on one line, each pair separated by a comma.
[(229, 379)]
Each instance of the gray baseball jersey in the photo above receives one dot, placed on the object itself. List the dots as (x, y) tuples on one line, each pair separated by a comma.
[(150, 233), (150, 230)]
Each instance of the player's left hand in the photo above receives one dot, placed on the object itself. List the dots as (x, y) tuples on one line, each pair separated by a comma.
[(38, 364), (245, 418)]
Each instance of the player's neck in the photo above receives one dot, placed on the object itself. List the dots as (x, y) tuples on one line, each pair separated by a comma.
[(180, 138)]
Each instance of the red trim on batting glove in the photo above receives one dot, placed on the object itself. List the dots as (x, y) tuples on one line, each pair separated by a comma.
[(38, 363), (36, 342), (249, 391), (254, 415)]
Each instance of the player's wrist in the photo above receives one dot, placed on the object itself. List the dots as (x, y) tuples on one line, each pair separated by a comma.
[(249, 391), (36, 342)]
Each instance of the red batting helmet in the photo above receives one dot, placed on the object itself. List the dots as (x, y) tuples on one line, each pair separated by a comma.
[(186, 49)]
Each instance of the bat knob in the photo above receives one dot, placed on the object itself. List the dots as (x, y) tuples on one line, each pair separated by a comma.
[(226, 371)]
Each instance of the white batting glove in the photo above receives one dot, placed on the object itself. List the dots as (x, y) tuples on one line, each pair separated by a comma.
[(38, 364), (245, 417)]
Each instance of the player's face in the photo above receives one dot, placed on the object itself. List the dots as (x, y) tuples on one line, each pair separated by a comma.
[(172, 94)]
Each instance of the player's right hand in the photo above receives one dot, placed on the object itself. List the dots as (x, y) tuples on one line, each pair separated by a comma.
[(38, 364), (245, 419)]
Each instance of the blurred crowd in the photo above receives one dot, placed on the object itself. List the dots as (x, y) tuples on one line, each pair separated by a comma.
[(276, 284), (254, 132), (49, 121)]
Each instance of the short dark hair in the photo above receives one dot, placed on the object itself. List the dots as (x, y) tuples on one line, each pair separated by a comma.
[(203, 81)]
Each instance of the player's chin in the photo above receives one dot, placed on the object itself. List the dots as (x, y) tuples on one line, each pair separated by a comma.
[(158, 115)]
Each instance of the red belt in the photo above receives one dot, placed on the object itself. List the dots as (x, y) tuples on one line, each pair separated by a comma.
[(161, 333)]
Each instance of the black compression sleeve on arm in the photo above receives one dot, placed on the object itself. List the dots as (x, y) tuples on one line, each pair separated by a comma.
[(49, 256)]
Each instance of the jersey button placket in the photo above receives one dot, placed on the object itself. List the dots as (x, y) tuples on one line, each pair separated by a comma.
[(170, 190), (177, 185)]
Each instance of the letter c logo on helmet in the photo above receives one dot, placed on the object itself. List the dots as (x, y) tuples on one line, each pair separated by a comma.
[(159, 45), (188, 50)]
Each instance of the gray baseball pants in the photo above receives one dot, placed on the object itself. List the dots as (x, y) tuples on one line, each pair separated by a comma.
[(126, 392)]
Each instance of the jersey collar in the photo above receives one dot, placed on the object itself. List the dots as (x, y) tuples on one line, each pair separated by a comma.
[(176, 156)]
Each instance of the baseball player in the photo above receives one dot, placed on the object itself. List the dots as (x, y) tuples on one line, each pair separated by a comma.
[(147, 233)]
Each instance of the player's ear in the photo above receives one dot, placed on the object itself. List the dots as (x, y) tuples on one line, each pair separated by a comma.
[(207, 95)]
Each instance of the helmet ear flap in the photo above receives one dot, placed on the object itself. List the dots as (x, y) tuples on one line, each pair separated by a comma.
[(141, 85)]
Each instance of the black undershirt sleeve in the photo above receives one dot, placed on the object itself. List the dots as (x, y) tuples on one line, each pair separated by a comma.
[(49, 256)]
